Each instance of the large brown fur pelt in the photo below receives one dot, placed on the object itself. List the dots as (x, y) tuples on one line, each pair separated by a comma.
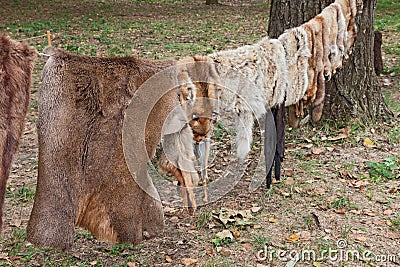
[(16, 65), (83, 178)]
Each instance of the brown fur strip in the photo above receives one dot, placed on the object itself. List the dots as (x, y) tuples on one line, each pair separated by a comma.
[(16, 65)]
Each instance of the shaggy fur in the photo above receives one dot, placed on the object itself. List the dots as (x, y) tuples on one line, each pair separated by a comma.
[(197, 92), (83, 178), (312, 65), (317, 25), (330, 14), (341, 22), (349, 9), (295, 42), (254, 78), (16, 65)]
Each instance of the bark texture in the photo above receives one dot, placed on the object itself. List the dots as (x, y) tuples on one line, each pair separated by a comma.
[(354, 90)]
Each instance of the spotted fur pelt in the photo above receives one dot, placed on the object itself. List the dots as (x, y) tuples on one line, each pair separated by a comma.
[(16, 65)]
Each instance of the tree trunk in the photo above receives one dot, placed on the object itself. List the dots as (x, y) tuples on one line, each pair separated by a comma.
[(211, 2), (355, 89)]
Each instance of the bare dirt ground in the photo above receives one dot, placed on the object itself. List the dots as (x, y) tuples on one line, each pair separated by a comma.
[(327, 209)]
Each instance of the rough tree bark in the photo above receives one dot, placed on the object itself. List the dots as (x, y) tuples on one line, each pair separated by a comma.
[(354, 90)]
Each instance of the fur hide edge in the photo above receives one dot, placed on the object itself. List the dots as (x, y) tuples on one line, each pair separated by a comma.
[(16, 66), (295, 42)]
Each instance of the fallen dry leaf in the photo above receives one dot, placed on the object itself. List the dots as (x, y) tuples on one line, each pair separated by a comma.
[(131, 264), (388, 212), (316, 150), (189, 261), (168, 258), (344, 133), (368, 143), (293, 237), (289, 181), (368, 212), (226, 253), (273, 220), (236, 233), (330, 149), (93, 262), (340, 211), (360, 239)]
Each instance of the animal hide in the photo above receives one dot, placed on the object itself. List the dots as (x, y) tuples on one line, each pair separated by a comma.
[(254, 78), (317, 25), (341, 21), (16, 65), (83, 178), (312, 66), (295, 42), (349, 9), (330, 15), (378, 63)]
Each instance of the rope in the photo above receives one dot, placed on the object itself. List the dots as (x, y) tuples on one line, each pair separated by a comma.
[(48, 35)]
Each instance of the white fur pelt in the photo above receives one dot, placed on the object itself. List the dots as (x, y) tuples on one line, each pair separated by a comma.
[(341, 22), (254, 78), (349, 10), (330, 14), (295, 42)]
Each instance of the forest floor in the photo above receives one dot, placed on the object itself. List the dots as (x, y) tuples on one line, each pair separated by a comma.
[(338, 203)]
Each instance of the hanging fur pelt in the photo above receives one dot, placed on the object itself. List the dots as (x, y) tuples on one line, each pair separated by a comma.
[(83, 177), (16, 65), (254, 78)]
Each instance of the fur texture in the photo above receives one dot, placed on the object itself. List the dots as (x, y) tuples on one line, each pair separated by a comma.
[(254, 78), (349, 9), (16, 65), (378, 63), (295, 42), (341, 22), (83, 178), (330, 15), (197, 92)]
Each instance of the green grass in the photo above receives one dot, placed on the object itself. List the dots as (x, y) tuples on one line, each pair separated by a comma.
[(388, 15)]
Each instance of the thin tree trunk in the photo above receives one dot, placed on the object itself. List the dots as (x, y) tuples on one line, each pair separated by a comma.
[(354, 90)]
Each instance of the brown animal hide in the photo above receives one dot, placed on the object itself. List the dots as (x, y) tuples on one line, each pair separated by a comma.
[(378, 63), (16, 65), (83, 178)]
